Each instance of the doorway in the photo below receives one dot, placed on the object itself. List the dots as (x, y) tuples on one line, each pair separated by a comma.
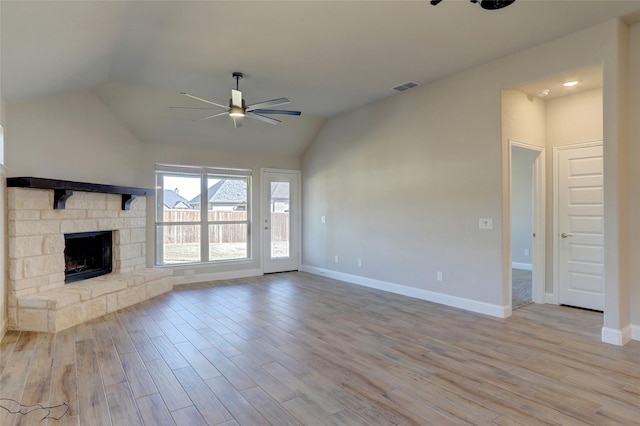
[(280, 224), (527, 188)]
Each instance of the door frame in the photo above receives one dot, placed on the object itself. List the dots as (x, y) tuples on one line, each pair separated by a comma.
[(555, 298), (539, 223), (263, 215)]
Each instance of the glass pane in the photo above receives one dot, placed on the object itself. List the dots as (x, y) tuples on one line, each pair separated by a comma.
[(228, 241), (178, 244), (227, 199), (280, 194), (180, 198)]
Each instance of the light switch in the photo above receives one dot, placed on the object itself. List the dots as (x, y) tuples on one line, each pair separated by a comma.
[(485, 223), (323, 219)]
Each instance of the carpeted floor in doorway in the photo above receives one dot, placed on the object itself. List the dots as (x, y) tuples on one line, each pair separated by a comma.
[(521, 292)]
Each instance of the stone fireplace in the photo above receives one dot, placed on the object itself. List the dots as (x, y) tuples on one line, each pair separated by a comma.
[(38, 221)]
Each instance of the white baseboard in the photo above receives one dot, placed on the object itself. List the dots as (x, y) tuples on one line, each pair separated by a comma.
[(431, 296), (525, 266), (215, 276), (616, 337), (635, 332)]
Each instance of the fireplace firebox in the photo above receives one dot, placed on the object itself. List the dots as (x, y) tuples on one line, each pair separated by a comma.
[(87, 255)]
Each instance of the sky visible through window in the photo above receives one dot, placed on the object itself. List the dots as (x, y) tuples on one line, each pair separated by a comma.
[(188, 187)]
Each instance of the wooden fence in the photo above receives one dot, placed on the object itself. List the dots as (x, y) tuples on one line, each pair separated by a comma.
[(222, 233)]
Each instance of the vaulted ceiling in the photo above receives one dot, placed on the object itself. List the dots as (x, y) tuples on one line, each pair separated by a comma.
[(327, 57)]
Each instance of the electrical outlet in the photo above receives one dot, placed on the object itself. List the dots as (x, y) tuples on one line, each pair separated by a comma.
[(526, 252), (336, 259), (323, 219), (360, 263), (439, 275)]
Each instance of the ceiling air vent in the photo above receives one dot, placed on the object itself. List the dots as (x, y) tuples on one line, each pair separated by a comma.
[(405, 86)]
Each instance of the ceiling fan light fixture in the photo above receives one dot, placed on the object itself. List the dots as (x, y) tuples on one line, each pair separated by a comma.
[(236, 111), (494, 4), (485, 4)]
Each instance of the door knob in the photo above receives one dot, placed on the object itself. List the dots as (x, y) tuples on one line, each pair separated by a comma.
[(565, 235)]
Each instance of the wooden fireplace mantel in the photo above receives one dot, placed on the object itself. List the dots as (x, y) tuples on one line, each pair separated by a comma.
[(63, 189)]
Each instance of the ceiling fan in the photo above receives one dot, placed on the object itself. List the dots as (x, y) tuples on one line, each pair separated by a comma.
[(237, 108), (485, 4)]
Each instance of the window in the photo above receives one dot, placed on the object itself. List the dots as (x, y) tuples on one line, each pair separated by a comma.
[(202, 214)]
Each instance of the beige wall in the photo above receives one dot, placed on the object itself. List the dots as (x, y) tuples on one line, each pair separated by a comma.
[(574, 119), (70, 137), (403, 182), (634, 174), (523, 118)]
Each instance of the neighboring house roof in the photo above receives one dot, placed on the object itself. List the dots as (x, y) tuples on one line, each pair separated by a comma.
[(232, 191), (173, 200)]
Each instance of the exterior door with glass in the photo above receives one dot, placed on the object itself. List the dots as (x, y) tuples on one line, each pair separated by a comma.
[(280, 220)]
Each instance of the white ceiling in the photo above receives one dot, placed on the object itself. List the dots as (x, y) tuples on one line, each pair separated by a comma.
[(327, 57)]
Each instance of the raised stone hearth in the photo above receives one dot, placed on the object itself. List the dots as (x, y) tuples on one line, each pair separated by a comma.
[(38, 298)]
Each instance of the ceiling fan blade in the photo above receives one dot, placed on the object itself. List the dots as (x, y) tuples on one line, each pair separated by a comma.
[(276, 111), (204, 100), (271, 103), (262, 118), (236, 98), (214, 115), (207, 109), (237, 122)]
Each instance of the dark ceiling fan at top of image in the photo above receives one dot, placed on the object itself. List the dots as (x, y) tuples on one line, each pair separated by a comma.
[(485, 4), (237, 108)]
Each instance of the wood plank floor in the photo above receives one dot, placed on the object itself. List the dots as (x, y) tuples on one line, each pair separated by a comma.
[(298, 349)]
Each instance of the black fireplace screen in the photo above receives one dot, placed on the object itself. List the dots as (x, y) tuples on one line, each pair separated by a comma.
[(87, 255)]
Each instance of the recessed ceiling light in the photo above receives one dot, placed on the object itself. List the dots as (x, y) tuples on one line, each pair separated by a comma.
[(543, 92), (571, 83)]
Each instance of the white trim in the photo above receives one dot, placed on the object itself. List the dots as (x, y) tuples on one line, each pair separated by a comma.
[(431, 296), (550, 298), (616, 337), (180, 169), (215, 276), (635, 332), (525, 266)]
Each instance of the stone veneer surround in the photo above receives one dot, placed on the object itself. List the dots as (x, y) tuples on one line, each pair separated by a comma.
[(38, 299)]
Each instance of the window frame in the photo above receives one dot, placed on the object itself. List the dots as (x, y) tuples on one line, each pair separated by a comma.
[(204, 173)]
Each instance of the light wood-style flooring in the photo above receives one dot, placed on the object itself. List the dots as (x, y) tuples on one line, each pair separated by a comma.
[(299, 349)]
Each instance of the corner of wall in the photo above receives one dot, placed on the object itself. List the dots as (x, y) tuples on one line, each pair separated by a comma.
[(3, 250)]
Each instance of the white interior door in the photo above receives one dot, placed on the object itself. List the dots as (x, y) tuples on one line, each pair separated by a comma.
[(280, 220), (581, 227)]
